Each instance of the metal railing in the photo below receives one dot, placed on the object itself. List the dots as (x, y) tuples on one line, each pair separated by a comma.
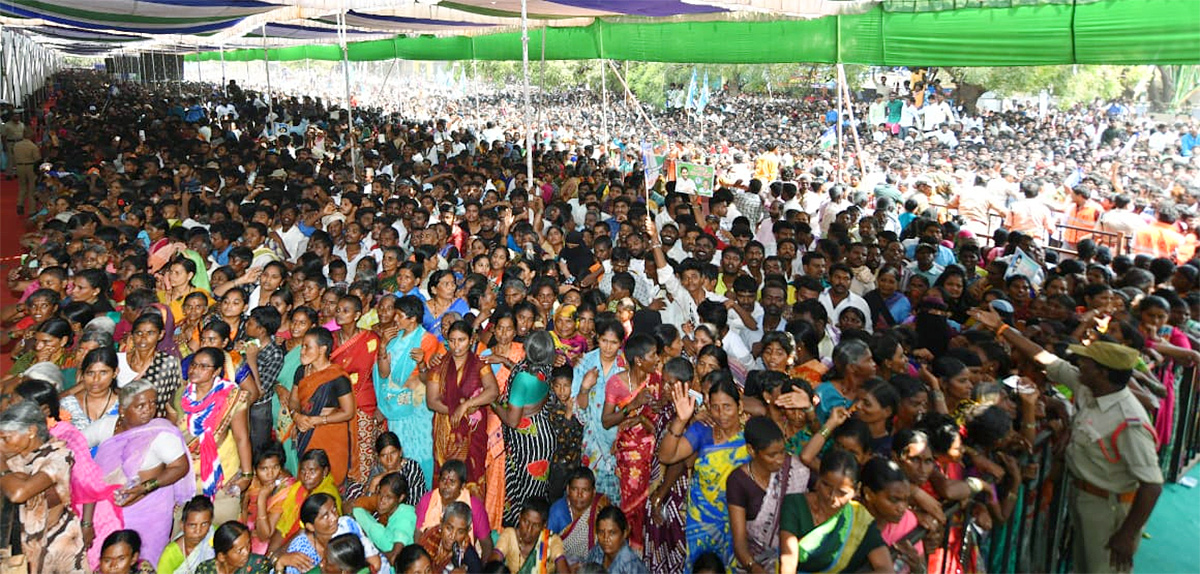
[(1037, 537)]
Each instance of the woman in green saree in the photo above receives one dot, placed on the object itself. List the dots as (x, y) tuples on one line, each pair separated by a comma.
[(825, 530)]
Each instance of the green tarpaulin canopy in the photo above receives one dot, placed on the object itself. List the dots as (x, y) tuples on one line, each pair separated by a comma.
[(1105, 32)]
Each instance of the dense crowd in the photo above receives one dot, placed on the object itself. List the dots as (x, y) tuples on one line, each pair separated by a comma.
[(377, 347)]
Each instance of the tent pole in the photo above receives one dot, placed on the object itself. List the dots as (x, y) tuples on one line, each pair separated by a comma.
[(270, 99), (604, 95), (839, 124), (629, 94), (224, 82), (542, 90), (525, 80), (858, 153), (603, 89), (349, 106)]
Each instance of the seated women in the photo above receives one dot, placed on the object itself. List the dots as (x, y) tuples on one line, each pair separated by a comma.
[(531, 548), (319, 516), (194, 545), (449, 542), (573, 517), (612, 549), (122, 554), (450, 488), (414, 559), (825, 530), (345, 553), (232, 555), (392, 525), (263, 503), (390, 453), (314, 477)]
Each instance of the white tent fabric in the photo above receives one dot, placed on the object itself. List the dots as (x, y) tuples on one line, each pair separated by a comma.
[(24, 65)]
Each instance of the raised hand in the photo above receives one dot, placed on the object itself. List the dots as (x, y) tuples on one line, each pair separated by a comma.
[(685, 405)]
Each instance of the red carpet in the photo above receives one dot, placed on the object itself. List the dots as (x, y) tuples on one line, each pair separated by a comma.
[(11, 228)]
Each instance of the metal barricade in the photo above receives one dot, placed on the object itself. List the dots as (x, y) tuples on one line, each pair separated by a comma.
[(1185, 437), (1117, 242)]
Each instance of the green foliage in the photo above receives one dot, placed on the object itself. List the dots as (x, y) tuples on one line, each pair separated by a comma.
[(1070, 84)]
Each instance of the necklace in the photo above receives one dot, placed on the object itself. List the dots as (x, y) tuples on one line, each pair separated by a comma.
[(762, 483), (107, 401)]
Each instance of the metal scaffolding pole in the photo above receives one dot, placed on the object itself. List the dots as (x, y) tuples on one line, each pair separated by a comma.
[(224, 82), (525, 81), (839, 126), (270, 99), (349, 108)]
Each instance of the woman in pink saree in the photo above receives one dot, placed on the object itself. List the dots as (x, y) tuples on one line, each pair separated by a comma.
[(147, 460), (91, 497)]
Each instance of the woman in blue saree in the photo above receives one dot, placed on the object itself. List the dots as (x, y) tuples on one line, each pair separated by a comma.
[(398, 384), (720, 448)]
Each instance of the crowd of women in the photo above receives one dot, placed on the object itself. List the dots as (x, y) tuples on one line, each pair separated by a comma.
[(434, 365)]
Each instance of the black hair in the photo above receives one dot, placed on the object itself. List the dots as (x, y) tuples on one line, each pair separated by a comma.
[(722, 382), (395, 482), (152, 318), (346, 552), (584, 473), (761, 432), (198, 503), (272, 449), (57, 328), (837, 460), (40, 393), (879, 472), (268, 317), (312, 506), (318, 456), (614, 513), (127, 537), (408, 556), (988, 426), (458, 467), (387, 439), (324, 338), (679, 368), (226, 534)]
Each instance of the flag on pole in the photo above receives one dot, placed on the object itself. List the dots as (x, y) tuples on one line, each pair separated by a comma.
[(690, 103), (829, 138), (703, 101)]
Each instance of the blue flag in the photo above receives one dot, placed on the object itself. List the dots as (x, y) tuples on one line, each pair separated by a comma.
[(703, 101), (691, 94)]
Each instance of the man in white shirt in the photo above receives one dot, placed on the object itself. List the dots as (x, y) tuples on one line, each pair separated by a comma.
[(1120, 219), (838, 297)]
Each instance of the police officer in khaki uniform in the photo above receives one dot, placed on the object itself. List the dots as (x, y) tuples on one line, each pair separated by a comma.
[(1112, 456), (25, 156), (11, 132)]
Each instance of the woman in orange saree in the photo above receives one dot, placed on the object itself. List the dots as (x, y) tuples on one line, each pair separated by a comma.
[(323, 403), (356, 352), (502, 355)]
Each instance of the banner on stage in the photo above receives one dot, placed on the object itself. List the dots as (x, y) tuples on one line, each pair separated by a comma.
[(694, 178)]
